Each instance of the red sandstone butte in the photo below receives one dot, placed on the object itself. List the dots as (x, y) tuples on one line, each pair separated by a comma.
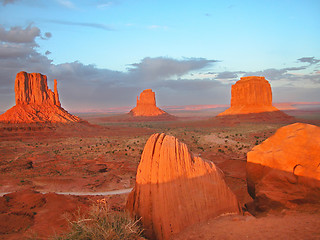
[(285, 168), (175, 189), (250, 95), (146, 105), (35, 102)]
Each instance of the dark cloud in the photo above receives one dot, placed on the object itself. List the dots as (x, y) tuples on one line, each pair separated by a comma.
[(295, 68), (296, 94), (310, 60), (48, 35), (150, 69), (91, 86), (270, 74), (19, 35), (83, 24)]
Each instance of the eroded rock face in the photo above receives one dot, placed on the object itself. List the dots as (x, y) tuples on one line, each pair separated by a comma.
[(32, 88), (35, 102), (250, 95), (146, 105), (175, 189), (285, 168)]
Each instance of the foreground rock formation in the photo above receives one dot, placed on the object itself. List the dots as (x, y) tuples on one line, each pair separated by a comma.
[(285, 168), (35, 102), (146, 105), (175, 189)]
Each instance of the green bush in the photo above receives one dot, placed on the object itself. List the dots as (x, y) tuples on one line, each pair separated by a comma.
[(102, 224)]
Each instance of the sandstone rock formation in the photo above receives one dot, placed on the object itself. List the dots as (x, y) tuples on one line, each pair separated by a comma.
[(250, 95), (175, 189), (35, 102), (285, 168), (146, 105)]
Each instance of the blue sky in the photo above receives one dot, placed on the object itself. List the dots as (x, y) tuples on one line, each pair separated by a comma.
[(104, 53)]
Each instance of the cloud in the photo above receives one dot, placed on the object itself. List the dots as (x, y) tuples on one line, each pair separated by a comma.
[(48, 35), (19, 35), (310, 60), (229, 75), (89, 87), (270, 74), (277, 74), (18, 52), (151, 69), (83, 24)]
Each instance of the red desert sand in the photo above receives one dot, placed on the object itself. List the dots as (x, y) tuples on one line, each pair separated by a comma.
[(175, 189), (35, 102)]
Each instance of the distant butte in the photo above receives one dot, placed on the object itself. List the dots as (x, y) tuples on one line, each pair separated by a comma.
[(146, 105), (252, 96), (35, 102)]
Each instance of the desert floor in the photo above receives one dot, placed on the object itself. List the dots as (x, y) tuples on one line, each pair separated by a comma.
[(51, 171)]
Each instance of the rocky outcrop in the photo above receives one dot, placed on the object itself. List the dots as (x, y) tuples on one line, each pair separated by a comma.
[(35, 102), (146, 105), (250, 95), (175, 189), (285, 168)]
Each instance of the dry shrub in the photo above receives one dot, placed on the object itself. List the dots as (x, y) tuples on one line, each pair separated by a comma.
[(101, 223)]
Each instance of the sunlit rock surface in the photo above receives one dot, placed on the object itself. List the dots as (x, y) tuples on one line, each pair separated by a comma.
[(146, 105), (175, 189), (285, 168), (35, 102)]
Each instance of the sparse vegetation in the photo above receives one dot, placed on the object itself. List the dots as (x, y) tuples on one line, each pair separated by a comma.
[(101, 223)]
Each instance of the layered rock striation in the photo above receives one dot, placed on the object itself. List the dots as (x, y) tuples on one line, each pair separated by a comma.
[(250, 95), (285, 168), (175, 189), (146, 105), (35, 102)]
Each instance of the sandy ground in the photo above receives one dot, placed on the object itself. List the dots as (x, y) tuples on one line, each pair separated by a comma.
[(98, 159), (286, 225)]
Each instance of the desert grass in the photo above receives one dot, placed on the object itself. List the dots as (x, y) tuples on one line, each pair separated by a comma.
[(103, 224)]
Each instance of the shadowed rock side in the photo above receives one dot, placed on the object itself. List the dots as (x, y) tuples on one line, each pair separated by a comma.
[(35, 102), (285, 168), (175, 189), (146, 105), (252, 96)]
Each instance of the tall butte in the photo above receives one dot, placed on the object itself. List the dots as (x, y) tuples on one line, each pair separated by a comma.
[(175, 189), (146, 105), (35, 102), (250, 95)]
